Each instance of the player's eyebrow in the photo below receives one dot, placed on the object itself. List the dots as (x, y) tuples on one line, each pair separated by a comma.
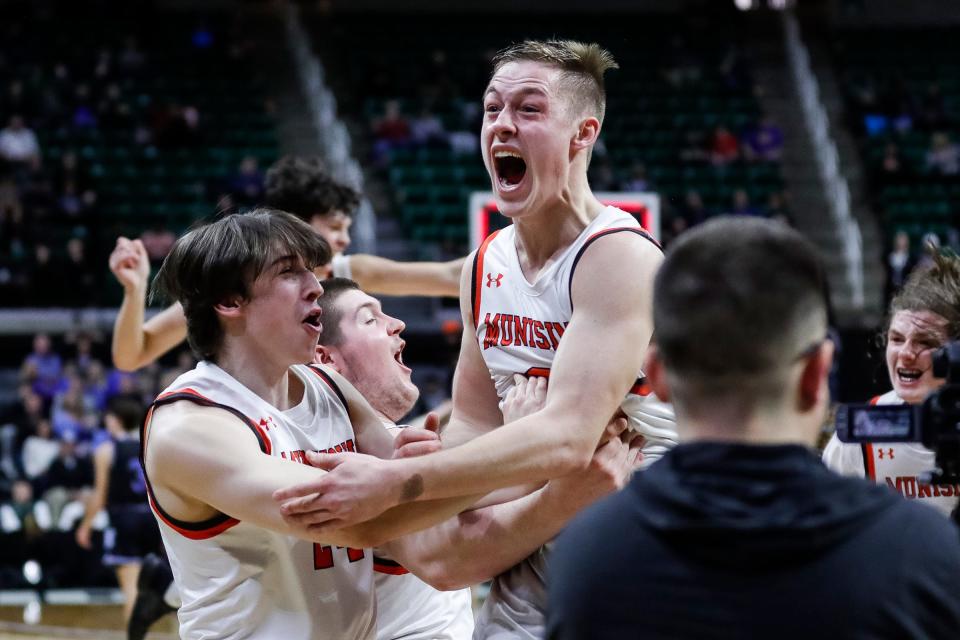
[(287, 258), (372, 306), (524, 92)]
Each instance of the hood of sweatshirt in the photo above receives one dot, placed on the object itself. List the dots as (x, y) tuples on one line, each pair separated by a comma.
[(748, 506)]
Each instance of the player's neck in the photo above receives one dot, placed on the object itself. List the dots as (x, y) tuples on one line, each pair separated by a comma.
[(760, 430), (269, 380), (543, 234)]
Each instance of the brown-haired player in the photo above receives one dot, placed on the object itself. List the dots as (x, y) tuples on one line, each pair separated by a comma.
[(923, 316), (297, 185), (569, 267), (223, 437)]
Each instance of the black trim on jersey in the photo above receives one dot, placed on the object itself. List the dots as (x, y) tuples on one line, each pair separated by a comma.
[(204, 402), (865, 454), (473, 284), (573, 269), (387, 563), (333, 385)]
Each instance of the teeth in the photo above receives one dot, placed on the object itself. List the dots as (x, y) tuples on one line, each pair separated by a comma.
[(507, 154)]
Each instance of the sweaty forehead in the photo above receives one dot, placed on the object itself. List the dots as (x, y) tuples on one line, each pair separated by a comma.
[(353, 301), (919, 322), (523, 76)]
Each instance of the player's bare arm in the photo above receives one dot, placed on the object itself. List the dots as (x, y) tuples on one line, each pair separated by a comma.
[(597, 361), (97, 500), (136, 344), (203, 461), (394, 278), (481, 543)]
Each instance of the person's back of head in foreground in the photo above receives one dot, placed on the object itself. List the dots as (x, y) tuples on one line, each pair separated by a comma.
[(740, 532)]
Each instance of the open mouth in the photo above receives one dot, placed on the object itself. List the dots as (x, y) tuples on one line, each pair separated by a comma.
[(510, 168), (313, 319), (909, 375), (398, 355)]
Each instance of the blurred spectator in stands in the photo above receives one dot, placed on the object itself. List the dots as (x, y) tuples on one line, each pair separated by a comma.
[(46, 279), (95, 386), (176, 126), (638, 180), (69, 470), (740, 205), (39, 451), (84, 113), (734, 70), (932, 112), (602, 176), (897, 103), (246, 186), (777, 209), (21, 513), (764, 142), (157, 242), (70, 409), (724, 147), (131, 58), (677, 225), (892, 167), (426, 130), (391, 131), (943, 157), (44, 368), (693, 211), (18, 143), (931, 244), (15, 99), (695, 147), (900, 262), (684, 66), (82, 291)]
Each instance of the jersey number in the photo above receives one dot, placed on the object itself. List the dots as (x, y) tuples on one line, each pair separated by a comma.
[(323, 556)]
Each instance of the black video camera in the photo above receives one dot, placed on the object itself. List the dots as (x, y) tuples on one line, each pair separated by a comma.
[(935, 423)]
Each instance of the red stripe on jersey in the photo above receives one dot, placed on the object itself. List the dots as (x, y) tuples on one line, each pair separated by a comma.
[(389, 567), (204, 533), (478, 276), (537, 372), (868, 461), (641, 388), (875, 400)]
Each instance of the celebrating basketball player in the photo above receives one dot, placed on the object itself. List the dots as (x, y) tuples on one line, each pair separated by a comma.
[(300, 186), (568, 268), (363, 344), (224, 436)]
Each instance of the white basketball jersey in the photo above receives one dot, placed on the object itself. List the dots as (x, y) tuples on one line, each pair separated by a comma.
[(410, 609), (519, 325), (238, 580), (896, 465)]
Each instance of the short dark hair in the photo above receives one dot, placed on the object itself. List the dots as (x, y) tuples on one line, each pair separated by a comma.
[(583, 65), (222, 259), (303, 186), (735, 300), (935, 288), (333, 288), (128, 411)]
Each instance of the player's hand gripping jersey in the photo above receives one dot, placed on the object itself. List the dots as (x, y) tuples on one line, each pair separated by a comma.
[(519, 324)]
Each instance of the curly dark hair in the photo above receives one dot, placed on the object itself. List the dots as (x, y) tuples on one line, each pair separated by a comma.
[(303, 186)]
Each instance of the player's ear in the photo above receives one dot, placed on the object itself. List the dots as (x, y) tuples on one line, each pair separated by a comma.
[(328, 357), (587, 133), (813, 384), (229, 307), (655, 373)]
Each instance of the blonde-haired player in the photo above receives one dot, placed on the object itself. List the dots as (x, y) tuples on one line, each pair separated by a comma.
[(566, 290)]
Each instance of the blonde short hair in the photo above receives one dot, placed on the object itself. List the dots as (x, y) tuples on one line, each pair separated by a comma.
[(583, 65)]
